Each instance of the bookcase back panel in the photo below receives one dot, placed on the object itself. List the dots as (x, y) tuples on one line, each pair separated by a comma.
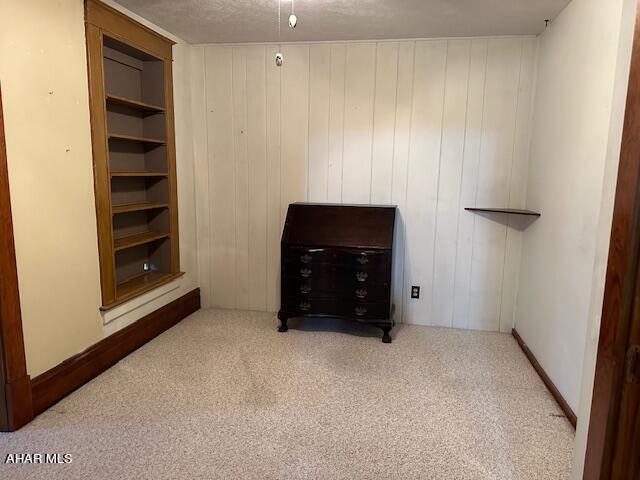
[(131, 156), (155, 126), (132, 73), (126, 190), (125, 121), (152, 79), (126, 224), (142, 259), (132, 262), (131, 121), (122, 80)]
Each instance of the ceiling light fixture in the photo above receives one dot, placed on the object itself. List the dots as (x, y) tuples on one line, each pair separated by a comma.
[(293, 20)]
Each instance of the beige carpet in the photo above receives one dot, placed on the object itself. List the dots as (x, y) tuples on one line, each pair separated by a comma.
[(223, 395)]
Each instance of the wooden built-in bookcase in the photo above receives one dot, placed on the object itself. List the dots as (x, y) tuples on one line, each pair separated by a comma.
[(132, 130)]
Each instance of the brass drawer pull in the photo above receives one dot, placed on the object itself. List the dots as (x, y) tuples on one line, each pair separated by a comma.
[(304, 289), (361, 293), (360, 311), (362, 276), (305, 306), (305, 258), (363, 260), (305, 272)]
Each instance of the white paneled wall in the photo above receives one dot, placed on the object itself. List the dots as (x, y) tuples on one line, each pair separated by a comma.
[(432, 126)]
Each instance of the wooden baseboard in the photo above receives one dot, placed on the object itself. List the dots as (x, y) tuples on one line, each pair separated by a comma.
[(53, 385), (564, 406)]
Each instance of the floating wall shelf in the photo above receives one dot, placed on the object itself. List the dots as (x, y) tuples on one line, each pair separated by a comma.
[(510, 211)]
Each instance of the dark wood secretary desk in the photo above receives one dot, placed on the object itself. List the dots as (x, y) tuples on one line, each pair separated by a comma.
[(336, 262)]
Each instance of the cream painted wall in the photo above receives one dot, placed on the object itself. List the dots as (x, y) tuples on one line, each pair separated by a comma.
[(43, 75), (432, 126), (604, 230), (572, 138)]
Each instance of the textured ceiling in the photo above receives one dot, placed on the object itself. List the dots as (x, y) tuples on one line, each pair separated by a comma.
[(217, 21)]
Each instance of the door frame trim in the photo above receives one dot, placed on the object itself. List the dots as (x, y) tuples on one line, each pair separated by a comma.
[(15, 386)]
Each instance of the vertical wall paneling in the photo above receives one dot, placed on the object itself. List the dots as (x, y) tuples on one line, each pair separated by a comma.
[(518, 186), (257, 162), (222, 181), (384, 108), (201, 165), (319, 99), (241, 161), (336, 122), (295, 123), (274, 186), (496, 154), (358, 122), (424, 164), (448, 195), (432, 126), (399, 170), (469, 181)]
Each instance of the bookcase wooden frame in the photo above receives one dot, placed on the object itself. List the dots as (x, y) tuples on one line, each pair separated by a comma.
[(107, 25)]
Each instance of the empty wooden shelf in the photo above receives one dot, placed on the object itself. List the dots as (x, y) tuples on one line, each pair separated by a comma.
[(510, 211), (132, 131), (137, 207), (135, 138), (134, 104), (138, 174), (136, 239), (134, 286)]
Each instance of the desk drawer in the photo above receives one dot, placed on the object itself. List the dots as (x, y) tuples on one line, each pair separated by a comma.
[(323, 306), (335, 274), (356, 258), (323, 288), (293, 255), (364, 259)]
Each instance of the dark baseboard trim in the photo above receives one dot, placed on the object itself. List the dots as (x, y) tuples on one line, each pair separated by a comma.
[(55, 384), (564, 406)]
